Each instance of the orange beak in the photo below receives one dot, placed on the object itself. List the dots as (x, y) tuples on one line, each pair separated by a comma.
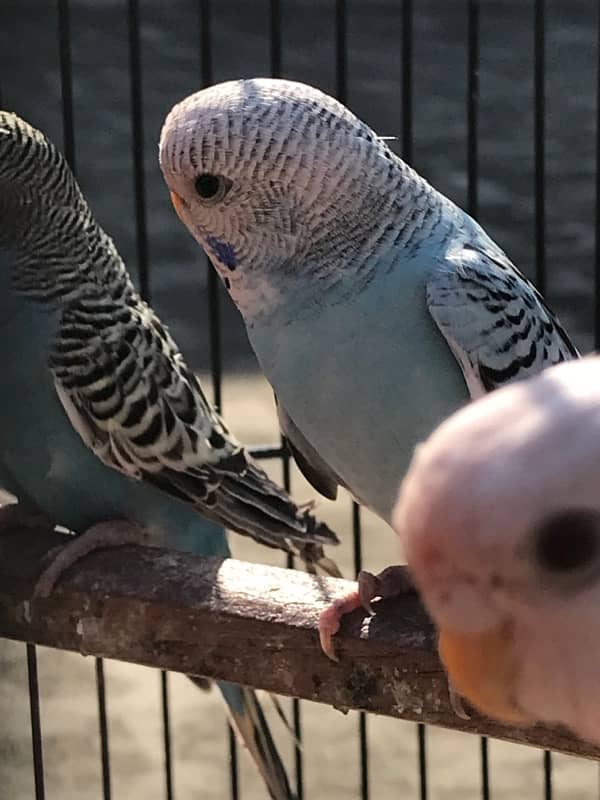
[(177, 204), (482, 668)]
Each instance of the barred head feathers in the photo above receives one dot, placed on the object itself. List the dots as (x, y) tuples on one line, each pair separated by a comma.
[(32, 165), (278, 181), (57, 248)]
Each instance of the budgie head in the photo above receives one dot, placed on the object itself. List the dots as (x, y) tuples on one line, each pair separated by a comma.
[(499, 516), (280, 184), (46, 226), (31, 166)]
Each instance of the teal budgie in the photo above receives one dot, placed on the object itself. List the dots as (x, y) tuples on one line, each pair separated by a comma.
[(104, 429), (376, 307)]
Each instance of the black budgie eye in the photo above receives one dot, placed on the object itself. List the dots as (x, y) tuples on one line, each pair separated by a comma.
[(568, 542), (212, 187)]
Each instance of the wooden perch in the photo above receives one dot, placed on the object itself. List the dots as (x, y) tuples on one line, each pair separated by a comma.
[(245, 623)]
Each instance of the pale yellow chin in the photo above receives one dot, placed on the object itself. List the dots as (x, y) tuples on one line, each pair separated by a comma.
[(482, 667)]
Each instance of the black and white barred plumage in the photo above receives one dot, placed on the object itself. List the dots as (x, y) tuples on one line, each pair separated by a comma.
[(495, 321), (118, 373)]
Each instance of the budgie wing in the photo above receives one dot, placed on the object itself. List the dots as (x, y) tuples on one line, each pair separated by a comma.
[(494, 320), (310, 463), (130, 395)]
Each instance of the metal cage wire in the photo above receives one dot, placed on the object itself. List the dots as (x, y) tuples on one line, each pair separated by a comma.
[(406, 79)]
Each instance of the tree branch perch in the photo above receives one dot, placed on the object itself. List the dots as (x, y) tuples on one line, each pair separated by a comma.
[(245, 623)]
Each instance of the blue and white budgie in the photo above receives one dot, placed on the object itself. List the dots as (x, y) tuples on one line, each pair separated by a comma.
[(103, 427), (375, 306), (499, 516)]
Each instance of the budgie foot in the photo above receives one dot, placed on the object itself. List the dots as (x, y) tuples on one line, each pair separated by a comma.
[(330, 618), (15, 515), (105, 534), (391, 582)]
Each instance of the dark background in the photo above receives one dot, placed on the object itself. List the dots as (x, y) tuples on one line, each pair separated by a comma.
[(170, 36)]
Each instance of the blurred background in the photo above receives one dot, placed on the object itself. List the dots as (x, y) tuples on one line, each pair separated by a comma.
[(175, 60)]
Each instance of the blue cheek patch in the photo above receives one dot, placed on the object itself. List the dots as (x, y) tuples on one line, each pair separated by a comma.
[(223, 251)]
